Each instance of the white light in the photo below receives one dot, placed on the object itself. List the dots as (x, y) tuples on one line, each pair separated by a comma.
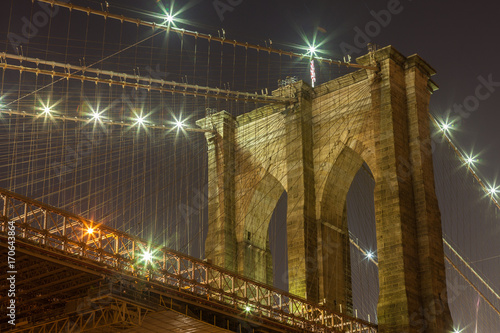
[(247, 308), (46, 110), (90, 231), (445, 127), (179, 124), (140, 120), (96, 116), (312, 50), (147, 256), (169, 18), (369, 255), (493, 190)]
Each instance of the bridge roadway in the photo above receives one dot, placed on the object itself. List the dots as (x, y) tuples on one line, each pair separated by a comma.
[(74, 275)]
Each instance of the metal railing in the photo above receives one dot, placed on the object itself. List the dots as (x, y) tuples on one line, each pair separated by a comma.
[(59, 230)]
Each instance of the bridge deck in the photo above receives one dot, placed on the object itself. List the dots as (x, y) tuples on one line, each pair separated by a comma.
[(62, 260)]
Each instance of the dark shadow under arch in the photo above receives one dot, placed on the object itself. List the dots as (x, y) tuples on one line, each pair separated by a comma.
[(333, 234), (255, 259)]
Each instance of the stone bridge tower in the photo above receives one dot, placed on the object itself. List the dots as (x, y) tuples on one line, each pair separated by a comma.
[(312, 149)]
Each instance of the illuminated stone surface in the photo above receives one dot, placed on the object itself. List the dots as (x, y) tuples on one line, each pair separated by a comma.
[(312, 149)]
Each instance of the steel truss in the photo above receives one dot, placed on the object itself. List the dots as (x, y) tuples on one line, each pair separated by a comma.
[(89, 241), (108, 311)]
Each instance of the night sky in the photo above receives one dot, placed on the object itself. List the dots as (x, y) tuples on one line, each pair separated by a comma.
[(458, 39)]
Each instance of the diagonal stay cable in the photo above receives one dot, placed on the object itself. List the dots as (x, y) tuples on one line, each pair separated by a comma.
[(95, 63)]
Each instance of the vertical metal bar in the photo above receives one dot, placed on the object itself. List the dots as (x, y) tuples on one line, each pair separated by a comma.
[(133, 254), (64, 233), (100, 245), (5, 202), (133, 249), (117, 244), (4, 213), (64, 226), (220, 285), (179, 271), (82, 241), (245, 294), (192, 274), (44, 227), (281, 307), (205, 280), (25, 220), (44, 239)]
